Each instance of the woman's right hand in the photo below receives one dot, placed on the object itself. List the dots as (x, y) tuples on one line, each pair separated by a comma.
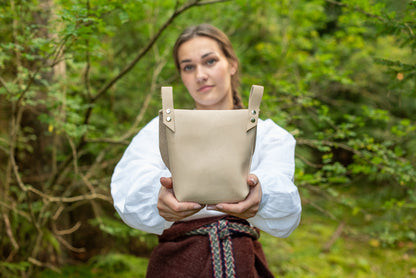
[(169, 207)]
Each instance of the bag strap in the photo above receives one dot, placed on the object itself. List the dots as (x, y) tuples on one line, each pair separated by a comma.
[(254, 101), (167, 106), (168, 110)]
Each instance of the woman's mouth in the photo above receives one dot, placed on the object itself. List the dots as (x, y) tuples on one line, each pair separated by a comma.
[(205, 88)]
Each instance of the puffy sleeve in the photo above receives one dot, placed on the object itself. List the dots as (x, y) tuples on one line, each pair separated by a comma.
[(135, 182), (273, 163)]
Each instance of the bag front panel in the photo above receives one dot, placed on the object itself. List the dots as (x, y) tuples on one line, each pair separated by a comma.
[(212, 153)]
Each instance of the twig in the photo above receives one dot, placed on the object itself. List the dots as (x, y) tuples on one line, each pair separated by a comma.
[(324, 211), (50, 198), (334, 237), (14, 209), (108, 141), (58, 213), (67, 231), (87, 54), (11, 237), (41, 264), (15, 167), (74, 199), (160, 65), (60, 233), (76, 170), (311, 164), (74, 153), (3, 83), (409, 28), (69, 246), (356, 9)]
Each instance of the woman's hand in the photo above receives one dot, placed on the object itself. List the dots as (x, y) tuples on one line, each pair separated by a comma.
[(247, 208), (169, 207)]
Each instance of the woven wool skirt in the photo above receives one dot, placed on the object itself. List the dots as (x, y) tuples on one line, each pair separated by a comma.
[(219, 247)]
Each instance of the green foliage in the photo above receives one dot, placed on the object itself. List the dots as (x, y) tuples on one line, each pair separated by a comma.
[(118, 263), (80, 78), (105, 266), (304, 254), (123, 233), (13, 269)]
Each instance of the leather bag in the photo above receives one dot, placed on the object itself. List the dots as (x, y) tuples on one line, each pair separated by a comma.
[(208, 152)]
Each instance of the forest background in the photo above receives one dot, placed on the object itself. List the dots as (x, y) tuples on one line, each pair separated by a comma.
[(78, 79)]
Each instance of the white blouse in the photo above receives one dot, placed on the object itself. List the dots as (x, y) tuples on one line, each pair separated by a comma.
[(135, 182)]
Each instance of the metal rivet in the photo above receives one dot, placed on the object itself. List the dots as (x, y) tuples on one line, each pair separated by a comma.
[(253, 120), (167, 111), (168, 119), (253, 112)]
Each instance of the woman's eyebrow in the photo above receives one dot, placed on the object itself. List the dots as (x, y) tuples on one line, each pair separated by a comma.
[(207, 54), (185, 61), (202, 57)]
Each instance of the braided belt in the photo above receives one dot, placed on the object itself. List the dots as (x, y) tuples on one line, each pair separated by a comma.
[(219, 234)]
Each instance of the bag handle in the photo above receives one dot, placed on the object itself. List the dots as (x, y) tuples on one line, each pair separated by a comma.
[(167, 107), (168, 110), (254, 101)]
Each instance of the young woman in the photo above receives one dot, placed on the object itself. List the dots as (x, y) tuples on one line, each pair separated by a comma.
[(216, 240)]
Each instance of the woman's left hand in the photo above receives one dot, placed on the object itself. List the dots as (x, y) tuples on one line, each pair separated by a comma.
[(247, 208)]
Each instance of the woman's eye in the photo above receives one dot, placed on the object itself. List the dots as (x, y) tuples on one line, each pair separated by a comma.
[(188, 68), (211, 61)]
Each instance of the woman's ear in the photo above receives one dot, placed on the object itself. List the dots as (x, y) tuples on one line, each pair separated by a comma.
[(233, 67)]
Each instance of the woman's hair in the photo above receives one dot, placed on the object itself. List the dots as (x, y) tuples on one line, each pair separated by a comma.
[(207, 30)]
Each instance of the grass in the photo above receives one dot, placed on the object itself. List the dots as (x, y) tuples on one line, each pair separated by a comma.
[(303, 254)]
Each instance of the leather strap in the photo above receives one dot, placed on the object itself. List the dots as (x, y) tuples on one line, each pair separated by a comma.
[(167, 106), (256, 95)]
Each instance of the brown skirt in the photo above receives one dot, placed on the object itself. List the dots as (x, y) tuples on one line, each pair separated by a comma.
[(186, 256)]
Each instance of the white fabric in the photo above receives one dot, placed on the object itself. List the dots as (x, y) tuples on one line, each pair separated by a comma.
[(135, 182)]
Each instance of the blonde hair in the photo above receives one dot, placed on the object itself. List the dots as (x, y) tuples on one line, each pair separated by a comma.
[(207, 30)]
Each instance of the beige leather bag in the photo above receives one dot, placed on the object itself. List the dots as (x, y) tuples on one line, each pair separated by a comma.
[(208, 152)]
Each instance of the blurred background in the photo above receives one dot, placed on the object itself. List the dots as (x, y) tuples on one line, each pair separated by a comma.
[(79, 78)]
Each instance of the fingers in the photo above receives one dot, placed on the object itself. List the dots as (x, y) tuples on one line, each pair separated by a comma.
[(166, 182), (247, 208), (173, 210), (252, 180)]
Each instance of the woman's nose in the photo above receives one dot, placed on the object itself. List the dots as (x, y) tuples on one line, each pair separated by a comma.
[(201, 75)]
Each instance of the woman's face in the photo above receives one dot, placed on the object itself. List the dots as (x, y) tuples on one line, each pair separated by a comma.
[(206, 73)]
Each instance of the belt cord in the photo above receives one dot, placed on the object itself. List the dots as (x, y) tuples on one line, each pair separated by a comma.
[(219, 234)]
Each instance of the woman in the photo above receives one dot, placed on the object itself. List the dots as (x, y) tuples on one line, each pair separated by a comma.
[(142, 188)]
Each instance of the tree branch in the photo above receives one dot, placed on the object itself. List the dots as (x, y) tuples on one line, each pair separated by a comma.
[(41, 264), (334, 237), (146, 49), (3, 83), (333, 2), (67, 231), (74, 199), (309, 163), (127, 68), (69, 246), (9, 233), (15, 210)]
